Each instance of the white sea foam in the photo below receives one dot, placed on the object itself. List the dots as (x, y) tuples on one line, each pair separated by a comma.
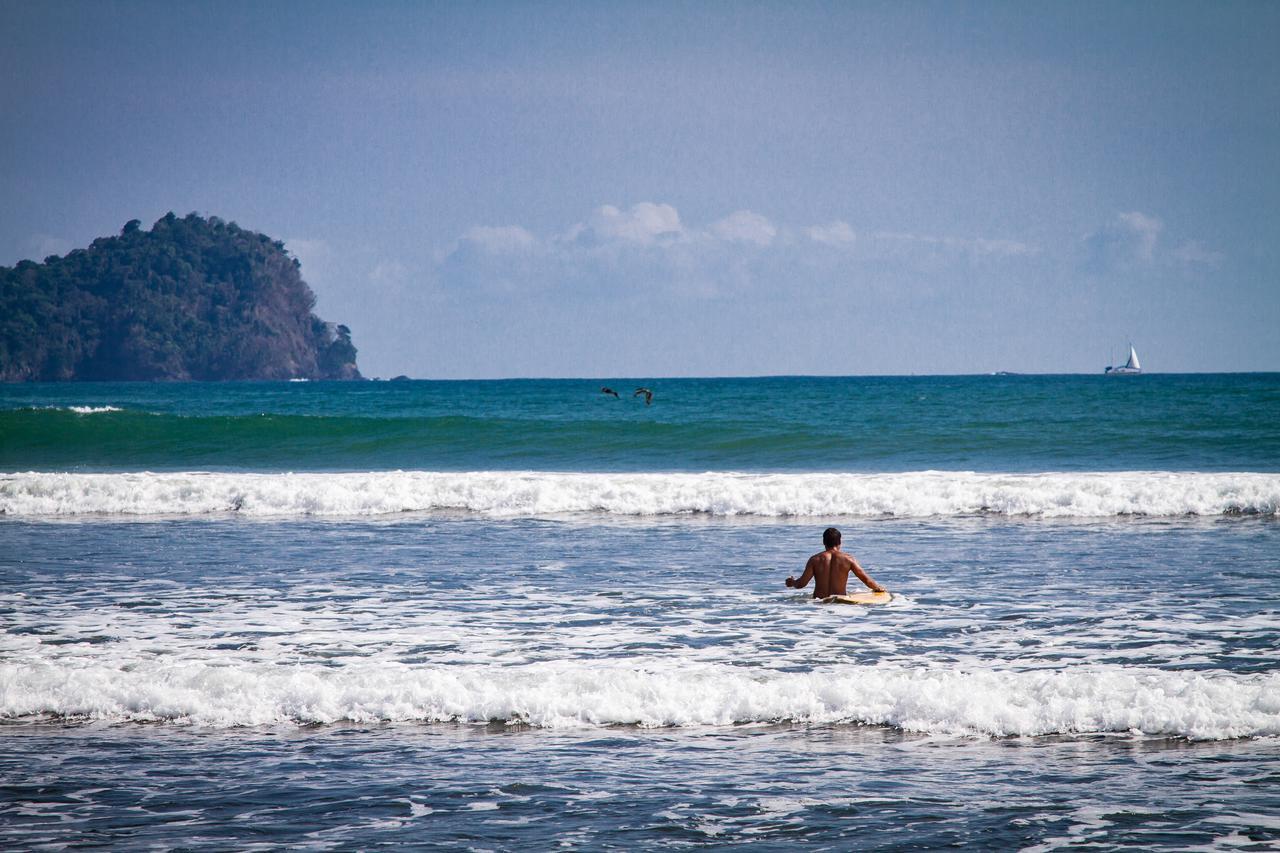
[(914, 494), (83, 410), (573, 694)]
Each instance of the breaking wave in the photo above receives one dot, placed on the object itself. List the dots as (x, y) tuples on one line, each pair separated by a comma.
[(519, 493), (589, 694), (79, 410)]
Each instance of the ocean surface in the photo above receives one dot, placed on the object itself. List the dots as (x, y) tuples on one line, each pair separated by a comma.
[(528, 615)]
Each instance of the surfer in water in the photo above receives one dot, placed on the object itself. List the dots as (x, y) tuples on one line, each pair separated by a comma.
[(831, 569)]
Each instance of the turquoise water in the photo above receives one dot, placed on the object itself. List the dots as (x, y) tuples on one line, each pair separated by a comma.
[(981, 423), (504, 615)]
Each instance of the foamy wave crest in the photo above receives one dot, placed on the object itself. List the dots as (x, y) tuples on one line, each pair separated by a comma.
[(559, 695), (79, 410), (919, 494)]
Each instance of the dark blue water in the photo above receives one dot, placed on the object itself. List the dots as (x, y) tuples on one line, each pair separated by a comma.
[(344, 787)]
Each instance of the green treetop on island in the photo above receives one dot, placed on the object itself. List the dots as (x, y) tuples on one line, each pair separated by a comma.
[(192, 298)]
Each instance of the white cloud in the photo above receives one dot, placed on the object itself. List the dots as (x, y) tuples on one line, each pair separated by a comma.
[(1133, 242), (904, 245), (743, 226), (647, 249), (1144, 229), (500, 239), (836, 233), (644, 224)]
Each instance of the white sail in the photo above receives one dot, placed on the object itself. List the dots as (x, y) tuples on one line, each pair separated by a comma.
[(1129, 368)]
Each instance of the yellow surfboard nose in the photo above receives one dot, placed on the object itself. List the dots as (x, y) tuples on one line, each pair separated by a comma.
[(860, 598)]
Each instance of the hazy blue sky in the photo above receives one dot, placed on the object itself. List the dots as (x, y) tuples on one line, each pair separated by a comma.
[(672, 189)]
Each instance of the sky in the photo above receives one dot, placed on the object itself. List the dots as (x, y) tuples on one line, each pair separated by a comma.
[(687, 189)]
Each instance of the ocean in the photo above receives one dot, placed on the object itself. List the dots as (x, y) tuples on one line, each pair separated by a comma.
[(498, 615)]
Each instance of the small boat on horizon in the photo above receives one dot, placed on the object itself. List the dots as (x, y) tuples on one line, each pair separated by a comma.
[(1129, 368)]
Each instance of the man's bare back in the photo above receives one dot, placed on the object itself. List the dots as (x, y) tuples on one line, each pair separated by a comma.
[(830, 570)]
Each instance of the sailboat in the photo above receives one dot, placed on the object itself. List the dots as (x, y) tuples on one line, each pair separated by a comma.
[(1130, 367)]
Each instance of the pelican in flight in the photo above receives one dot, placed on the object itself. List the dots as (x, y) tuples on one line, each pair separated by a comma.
[(648, 395), (609, 391)]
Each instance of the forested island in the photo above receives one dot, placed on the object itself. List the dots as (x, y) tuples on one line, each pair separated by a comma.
[(191, 299)]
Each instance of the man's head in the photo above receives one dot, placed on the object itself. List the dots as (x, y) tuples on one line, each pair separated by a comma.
[(830, 538)]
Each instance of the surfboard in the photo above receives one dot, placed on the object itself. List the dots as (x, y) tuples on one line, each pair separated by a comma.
[(860, 598)]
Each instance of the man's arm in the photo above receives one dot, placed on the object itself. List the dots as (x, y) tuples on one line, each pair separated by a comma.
[(865, 578), (804, 578)]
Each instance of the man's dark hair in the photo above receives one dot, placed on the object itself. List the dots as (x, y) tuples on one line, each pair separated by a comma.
[(830, 537)]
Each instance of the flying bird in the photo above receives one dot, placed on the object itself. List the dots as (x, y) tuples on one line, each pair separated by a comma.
[(648, 395), (609, 391)]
